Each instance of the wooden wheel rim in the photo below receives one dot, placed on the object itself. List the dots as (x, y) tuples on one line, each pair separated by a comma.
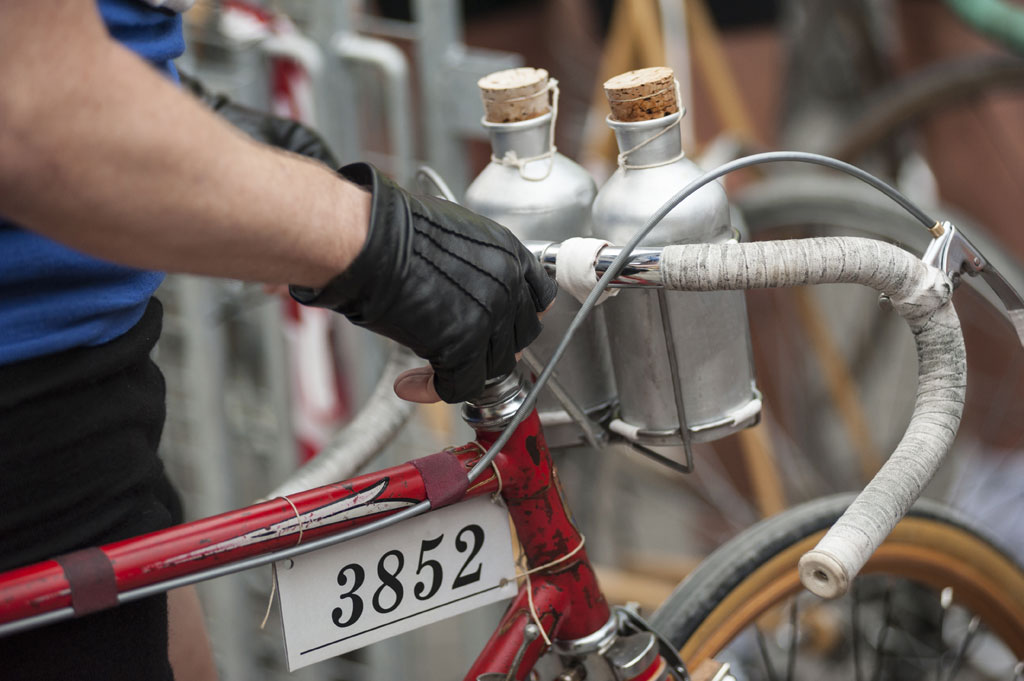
[(922, 549)]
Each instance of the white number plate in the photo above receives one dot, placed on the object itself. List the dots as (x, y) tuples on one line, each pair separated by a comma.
[(419, 571)]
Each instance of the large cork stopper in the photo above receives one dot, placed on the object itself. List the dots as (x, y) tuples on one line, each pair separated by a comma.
[(642, 94), (515, 94)]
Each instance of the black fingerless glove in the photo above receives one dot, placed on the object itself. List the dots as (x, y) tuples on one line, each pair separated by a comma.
[(458, 289)]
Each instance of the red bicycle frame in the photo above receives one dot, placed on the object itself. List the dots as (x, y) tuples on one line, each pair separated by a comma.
[(565, 597)]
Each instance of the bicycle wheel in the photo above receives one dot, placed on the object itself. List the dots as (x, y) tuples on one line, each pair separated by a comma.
[(939, 87), (931, 555)]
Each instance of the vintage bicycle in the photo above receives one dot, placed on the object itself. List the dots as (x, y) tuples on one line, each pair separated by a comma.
[(559, 624)]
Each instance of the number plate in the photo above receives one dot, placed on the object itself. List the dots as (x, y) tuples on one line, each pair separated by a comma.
[(419, 571)]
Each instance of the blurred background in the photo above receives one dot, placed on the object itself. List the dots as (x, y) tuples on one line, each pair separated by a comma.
[(928, 94)]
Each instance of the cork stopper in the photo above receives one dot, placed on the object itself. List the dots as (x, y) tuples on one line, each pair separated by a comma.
[(642, 94), (515, 94)]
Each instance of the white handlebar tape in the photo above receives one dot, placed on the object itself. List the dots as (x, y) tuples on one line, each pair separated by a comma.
[(920, 294), (574, 268)]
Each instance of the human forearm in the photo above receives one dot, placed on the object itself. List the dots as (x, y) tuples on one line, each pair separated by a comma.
[(103, 154), (117, 162)]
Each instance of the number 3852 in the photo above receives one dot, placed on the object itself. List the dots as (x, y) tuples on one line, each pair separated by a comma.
[(391, 592)]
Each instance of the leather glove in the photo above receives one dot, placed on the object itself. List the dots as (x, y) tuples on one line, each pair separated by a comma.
[(282, 133), (456, 288)]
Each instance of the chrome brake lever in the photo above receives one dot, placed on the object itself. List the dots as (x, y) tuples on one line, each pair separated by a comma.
[(954, 254)]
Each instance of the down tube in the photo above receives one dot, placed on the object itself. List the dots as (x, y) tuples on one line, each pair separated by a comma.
[(213, 542), (565, 595)]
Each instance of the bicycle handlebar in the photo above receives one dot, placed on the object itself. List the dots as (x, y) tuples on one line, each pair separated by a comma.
[(919, 292), (643, 270)]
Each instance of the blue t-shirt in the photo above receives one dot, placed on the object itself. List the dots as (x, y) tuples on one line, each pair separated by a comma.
[(51, 297)]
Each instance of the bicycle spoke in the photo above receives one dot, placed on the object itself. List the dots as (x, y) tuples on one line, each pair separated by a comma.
[(794, 627), (972, 629), (882, 634), (945, 600), (910, 624), (762, 645)]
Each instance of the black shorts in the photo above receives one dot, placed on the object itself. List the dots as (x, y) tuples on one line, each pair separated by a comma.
[(78, 467)]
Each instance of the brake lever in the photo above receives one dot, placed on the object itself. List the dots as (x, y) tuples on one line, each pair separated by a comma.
[(954, 254)]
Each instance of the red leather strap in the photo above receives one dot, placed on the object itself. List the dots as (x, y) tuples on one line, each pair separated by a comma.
[(91, 577), (443, 477)]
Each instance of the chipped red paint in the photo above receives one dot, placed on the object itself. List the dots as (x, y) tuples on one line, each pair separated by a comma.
[(566, 596), (185, 549)]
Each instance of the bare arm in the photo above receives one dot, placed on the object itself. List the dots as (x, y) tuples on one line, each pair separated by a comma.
[(100, 152)]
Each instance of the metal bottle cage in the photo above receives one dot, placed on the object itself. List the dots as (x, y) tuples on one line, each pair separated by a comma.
[(951, 251)]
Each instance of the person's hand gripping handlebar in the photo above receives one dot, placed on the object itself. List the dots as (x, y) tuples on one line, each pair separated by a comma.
[(458, 289)]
